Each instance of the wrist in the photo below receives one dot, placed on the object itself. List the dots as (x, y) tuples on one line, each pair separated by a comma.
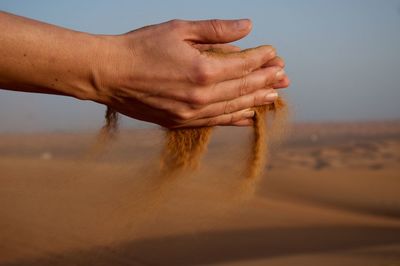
[(108, 61), (83, 76)]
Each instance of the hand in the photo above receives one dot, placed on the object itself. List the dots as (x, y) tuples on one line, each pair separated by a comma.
[(164, 74)]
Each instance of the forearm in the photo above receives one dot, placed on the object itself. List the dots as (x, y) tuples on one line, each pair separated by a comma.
[(38, 57)]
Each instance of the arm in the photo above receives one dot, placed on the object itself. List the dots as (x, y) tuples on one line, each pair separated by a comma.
[(161, 73), (38, 57)]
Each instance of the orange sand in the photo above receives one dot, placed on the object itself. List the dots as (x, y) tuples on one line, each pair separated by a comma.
[(330, 197)]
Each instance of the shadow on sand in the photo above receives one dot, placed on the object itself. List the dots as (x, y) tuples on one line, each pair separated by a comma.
[(226, 246)]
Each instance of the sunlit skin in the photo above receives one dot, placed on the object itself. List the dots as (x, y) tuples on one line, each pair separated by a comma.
[(158, 73)]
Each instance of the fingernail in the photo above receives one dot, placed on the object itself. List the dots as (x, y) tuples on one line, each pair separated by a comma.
[(242, 24), (270, 97), (280, 74), (248, 114)]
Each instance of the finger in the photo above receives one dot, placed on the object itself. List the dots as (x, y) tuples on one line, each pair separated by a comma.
[(217, 31), (257, 98), (217, 67), (231, 89), (222, 95), (221, 120), (284, 83), (220, 47), (277, 61), (243, 123)]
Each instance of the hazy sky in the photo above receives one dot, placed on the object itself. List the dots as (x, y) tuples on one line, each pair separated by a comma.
[(343, 56)]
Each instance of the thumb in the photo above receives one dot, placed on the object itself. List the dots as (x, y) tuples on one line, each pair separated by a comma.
[(218, 31)]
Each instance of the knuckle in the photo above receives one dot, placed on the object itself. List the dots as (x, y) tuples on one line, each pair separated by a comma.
[(176, 24), (258, 99), (271, 51), (269, 78), (182, 116), (216, 27), (228, 107), (243, 86), (197, 97), (202, 73), (255, 100), (246, 66), (232, 119), (212, 122)]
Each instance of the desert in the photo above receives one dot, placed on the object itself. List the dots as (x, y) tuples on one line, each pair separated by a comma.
[(329, 196)]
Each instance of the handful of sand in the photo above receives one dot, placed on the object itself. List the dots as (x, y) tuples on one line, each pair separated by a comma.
[(184, 148)]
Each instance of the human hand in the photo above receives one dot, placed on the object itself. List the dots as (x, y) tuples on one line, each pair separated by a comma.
[(166, 75)]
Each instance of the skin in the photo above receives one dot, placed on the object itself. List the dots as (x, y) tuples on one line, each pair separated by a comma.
[(161, 73)]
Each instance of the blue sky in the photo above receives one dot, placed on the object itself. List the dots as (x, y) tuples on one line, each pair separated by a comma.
[(343, 56)]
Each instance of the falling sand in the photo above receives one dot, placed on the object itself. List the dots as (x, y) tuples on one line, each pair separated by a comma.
[(259, 151), (263, 135), (107, 133), (184, 147)]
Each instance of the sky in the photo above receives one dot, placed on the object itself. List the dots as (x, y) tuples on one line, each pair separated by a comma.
[(343, 56)]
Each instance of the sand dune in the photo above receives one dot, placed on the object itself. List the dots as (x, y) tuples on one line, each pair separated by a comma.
[(329, 197)]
